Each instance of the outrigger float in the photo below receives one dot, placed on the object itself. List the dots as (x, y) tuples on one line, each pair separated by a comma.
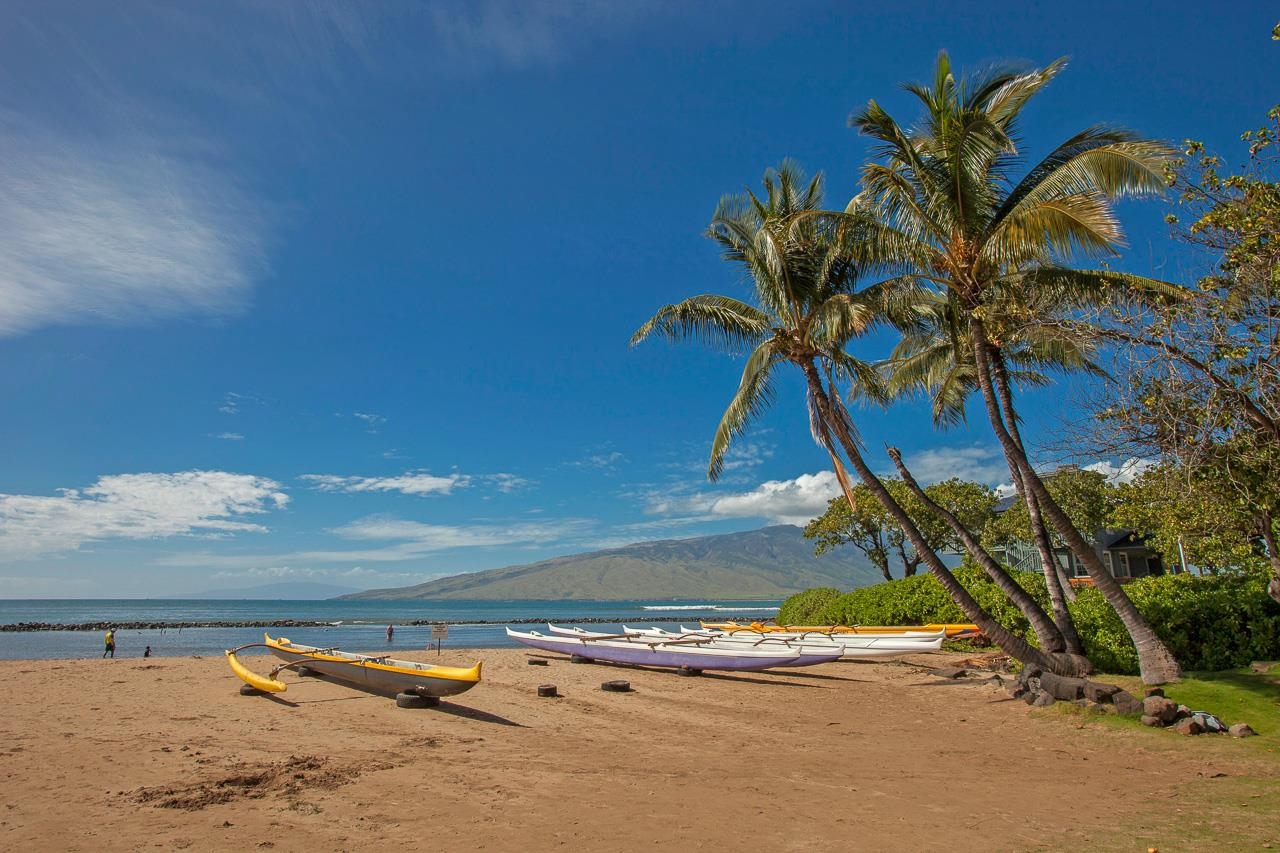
[(413, 683), (951, 630)]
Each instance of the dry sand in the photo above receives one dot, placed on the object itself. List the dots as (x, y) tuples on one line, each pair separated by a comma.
[(162, 754)]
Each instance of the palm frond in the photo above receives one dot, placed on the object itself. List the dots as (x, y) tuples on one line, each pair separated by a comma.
[(719, 321), (754, 395)]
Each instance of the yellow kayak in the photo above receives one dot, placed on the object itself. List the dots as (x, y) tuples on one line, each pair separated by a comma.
[(952, 629)]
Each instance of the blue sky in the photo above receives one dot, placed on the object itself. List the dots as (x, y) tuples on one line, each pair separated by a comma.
[(343, 292)]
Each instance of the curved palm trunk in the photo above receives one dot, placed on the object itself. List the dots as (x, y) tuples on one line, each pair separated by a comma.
[(1059, 588), (1051, 639), (1269, 538), (1014, 645), (842, 477), (1156, 662)]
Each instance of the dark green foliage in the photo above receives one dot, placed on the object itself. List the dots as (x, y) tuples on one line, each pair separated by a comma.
[(798, 609), (912, 601), (1209, 623)]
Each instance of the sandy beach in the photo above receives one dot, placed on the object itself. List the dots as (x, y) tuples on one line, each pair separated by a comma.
[(159, 754)]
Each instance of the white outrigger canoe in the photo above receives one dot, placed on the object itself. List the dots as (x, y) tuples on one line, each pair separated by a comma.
[(850, 648), (693, 654)]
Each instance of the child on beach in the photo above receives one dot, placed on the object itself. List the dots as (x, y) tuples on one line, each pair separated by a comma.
[(111, 643)]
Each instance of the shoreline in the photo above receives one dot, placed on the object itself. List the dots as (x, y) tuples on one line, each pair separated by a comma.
[(27, 627)]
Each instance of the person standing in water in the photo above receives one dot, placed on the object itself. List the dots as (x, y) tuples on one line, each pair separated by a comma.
[(391, 632), (111, 643)]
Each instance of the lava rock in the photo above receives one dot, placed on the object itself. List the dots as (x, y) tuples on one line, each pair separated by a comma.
[(1154, 691), (1154, 722), (949, 672), (1158, 706), (1187, 726), (1241, 730), (1044, 700), (1126, 703), (1096, 691)]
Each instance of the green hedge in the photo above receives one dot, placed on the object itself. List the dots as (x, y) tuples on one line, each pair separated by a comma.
[(800, 608), (1209, 623)]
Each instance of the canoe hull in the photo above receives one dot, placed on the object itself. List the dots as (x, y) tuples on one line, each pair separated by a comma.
[(662, 655), (379, 675)]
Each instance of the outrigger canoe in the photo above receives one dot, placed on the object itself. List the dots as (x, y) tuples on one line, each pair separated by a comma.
[(378, 673), (951, 629), (848, 646), (696, 654)]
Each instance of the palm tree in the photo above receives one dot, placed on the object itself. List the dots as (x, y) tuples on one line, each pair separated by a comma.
[(944, 194), (804, 265), (935, 358)]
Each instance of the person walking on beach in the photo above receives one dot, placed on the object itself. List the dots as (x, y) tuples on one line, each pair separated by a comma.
[(111, 643), (391, 632)]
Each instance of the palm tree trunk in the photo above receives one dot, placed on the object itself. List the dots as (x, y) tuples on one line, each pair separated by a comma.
[(1156, 662), (1011, 643), (1051, 639), (1048, 561), (1269, 538)]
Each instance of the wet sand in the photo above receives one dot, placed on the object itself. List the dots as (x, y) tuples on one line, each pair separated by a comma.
[(164, 753)]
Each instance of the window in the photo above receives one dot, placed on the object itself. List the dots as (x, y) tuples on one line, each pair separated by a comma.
[(1109, 563), (1122, 565)]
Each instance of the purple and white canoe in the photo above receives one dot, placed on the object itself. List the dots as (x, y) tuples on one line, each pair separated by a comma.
[(696, 654)]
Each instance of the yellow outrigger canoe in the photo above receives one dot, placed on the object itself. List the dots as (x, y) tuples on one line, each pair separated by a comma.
[(379, 673), (952, 629)]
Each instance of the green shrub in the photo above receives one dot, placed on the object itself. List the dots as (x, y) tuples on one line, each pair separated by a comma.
[(921, 600), (1209, 623), (804, 608)]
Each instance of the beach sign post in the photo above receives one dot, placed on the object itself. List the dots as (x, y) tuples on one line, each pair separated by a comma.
[(439, 631)]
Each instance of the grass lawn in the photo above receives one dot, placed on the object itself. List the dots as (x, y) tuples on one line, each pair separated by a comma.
[(1238, 811), (1233, 696)]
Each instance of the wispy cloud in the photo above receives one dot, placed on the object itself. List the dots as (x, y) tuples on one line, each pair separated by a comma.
[(231, 436), (413, 483), (507, 483), (117, 235), (135, 506), (982, 464), (398, 540), (372, 422), (600, 458)]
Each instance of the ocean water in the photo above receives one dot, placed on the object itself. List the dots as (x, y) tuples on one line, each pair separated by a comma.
[(353, 625)]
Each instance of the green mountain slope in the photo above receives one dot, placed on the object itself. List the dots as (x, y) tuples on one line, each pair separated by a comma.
[(772, 562)]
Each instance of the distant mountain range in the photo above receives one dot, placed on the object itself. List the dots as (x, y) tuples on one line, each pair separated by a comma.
[(287, 591), (772, 562)]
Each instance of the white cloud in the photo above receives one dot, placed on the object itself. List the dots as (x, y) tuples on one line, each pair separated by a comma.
[(933, 465), (1126, 472), (507, 483), (406, 540), (372, 422), (795, 501), (135, 506), (603, 460), (118, 234), (419, 483), (231, 436), (746, 455)]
